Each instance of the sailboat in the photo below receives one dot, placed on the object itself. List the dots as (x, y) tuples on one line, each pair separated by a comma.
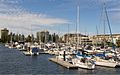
[(82, 61), (102, 59)]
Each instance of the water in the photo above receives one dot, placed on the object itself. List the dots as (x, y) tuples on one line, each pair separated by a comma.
[(13, 61)]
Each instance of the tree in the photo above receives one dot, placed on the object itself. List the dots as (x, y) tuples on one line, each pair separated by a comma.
[(32, 38), (0, 40), (118, 43), (110, 44), (55, 38), (23, 38), (19, 37), (16, 38), (50, 37), (28, 39)]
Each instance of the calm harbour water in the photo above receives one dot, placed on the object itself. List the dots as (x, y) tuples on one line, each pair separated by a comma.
[(13, 61)]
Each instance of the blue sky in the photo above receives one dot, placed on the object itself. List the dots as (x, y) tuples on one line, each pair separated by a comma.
[(30, 16)]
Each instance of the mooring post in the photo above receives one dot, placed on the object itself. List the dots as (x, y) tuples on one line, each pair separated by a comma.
[(64, 55)]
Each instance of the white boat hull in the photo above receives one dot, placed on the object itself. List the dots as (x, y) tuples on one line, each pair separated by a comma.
[(34, 53), (106, 64), (77, 62)]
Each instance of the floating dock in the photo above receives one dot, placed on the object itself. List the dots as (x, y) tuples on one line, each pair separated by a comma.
[(63, 63)]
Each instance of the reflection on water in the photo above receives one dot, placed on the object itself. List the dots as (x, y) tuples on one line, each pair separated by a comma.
[(13, 61), (85, 71), (107, 70)]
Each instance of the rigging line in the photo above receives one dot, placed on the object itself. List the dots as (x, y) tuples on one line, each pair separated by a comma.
[(108, 21), (78, 14)]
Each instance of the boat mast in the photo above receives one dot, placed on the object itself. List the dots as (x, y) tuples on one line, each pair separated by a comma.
[(108, 21), (104, 22), (97, 36), (68, 35), (77, 25), (31, 34)]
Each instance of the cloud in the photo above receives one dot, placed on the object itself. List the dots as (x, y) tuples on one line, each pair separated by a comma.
[(115, 16), (14, 16), (30, 19), (113, 8)]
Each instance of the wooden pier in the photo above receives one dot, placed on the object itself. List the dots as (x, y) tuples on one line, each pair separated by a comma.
[(63, 63)]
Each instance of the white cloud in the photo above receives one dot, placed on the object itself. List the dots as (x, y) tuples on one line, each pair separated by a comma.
[(113, 8), (29, 19), (15, 17), (115, 16)]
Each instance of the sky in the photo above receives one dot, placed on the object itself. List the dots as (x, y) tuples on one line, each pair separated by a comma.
[(59, 16)]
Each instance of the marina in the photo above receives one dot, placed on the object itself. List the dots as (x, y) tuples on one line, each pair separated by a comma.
[(40, 65), (59, 39)]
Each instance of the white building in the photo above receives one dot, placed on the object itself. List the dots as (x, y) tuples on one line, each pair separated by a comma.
[(43, 36), (105, 37), (72, 38)]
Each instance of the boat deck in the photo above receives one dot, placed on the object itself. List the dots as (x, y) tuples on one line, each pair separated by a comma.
[(43, 53), (26, 53), (22, 49)]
